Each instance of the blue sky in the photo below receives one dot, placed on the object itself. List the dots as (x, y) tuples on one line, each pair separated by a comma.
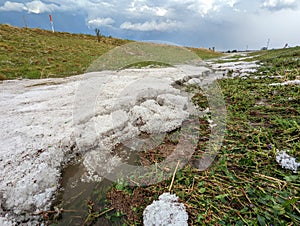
[(224, 24)]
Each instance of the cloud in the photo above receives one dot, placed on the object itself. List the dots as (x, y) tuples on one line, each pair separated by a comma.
[(221, 23), (203, 7), (38, 7), (12, 6), (142, 8), (161, 11), (133, 8), (151, 26), (35, 6), (98, 22), (232, 3), (275, 5)]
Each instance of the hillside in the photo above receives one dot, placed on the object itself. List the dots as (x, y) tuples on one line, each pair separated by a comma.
[(253, 175), (36, 53)]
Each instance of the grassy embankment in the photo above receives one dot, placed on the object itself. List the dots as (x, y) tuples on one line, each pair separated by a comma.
[(244, 185), (36, 53)]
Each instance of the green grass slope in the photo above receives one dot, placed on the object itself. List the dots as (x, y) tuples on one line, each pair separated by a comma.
[(284, 62), (36, 53)]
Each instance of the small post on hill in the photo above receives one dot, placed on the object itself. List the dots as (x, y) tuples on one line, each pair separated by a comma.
[(51, 22), (98, 34), (25, 22), (268, 43)]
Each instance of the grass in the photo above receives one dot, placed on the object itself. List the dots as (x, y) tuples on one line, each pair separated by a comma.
[(36, 53), (245, 185), (206, 54), (284, 62), (139, 54)]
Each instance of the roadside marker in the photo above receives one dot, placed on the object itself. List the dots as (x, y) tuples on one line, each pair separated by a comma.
[(51, 22)]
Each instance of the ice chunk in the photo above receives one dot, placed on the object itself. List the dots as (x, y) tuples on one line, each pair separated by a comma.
[(166, 211), (286, 161)]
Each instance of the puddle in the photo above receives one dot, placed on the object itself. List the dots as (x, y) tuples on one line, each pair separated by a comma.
[(74, 197), (76, 194)]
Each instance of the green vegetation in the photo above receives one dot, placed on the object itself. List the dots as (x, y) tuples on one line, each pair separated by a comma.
[(244, 185), (98, 34), (36, 53), (206, 54), (284, 62), (140, 54)]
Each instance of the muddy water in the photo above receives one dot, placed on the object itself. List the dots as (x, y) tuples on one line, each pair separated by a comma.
[(75, 194)]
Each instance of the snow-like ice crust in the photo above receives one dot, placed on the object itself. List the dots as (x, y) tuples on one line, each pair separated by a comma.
[(292, 82), (38, 137)]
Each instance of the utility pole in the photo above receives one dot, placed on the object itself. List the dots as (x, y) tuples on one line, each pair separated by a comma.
[(25, 22), (51, 22), (268, 43)]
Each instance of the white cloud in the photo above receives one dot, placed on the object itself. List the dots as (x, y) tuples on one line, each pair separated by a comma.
[(151, 26), (99, 22), (13, 6), (38, 7), (141, 8), (136, 8), (87, 6), (206, 7), (161, 11), (202, 6), (35, 6), (279, 4)]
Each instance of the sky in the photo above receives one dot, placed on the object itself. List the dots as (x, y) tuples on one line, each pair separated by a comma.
[(223, 24)]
